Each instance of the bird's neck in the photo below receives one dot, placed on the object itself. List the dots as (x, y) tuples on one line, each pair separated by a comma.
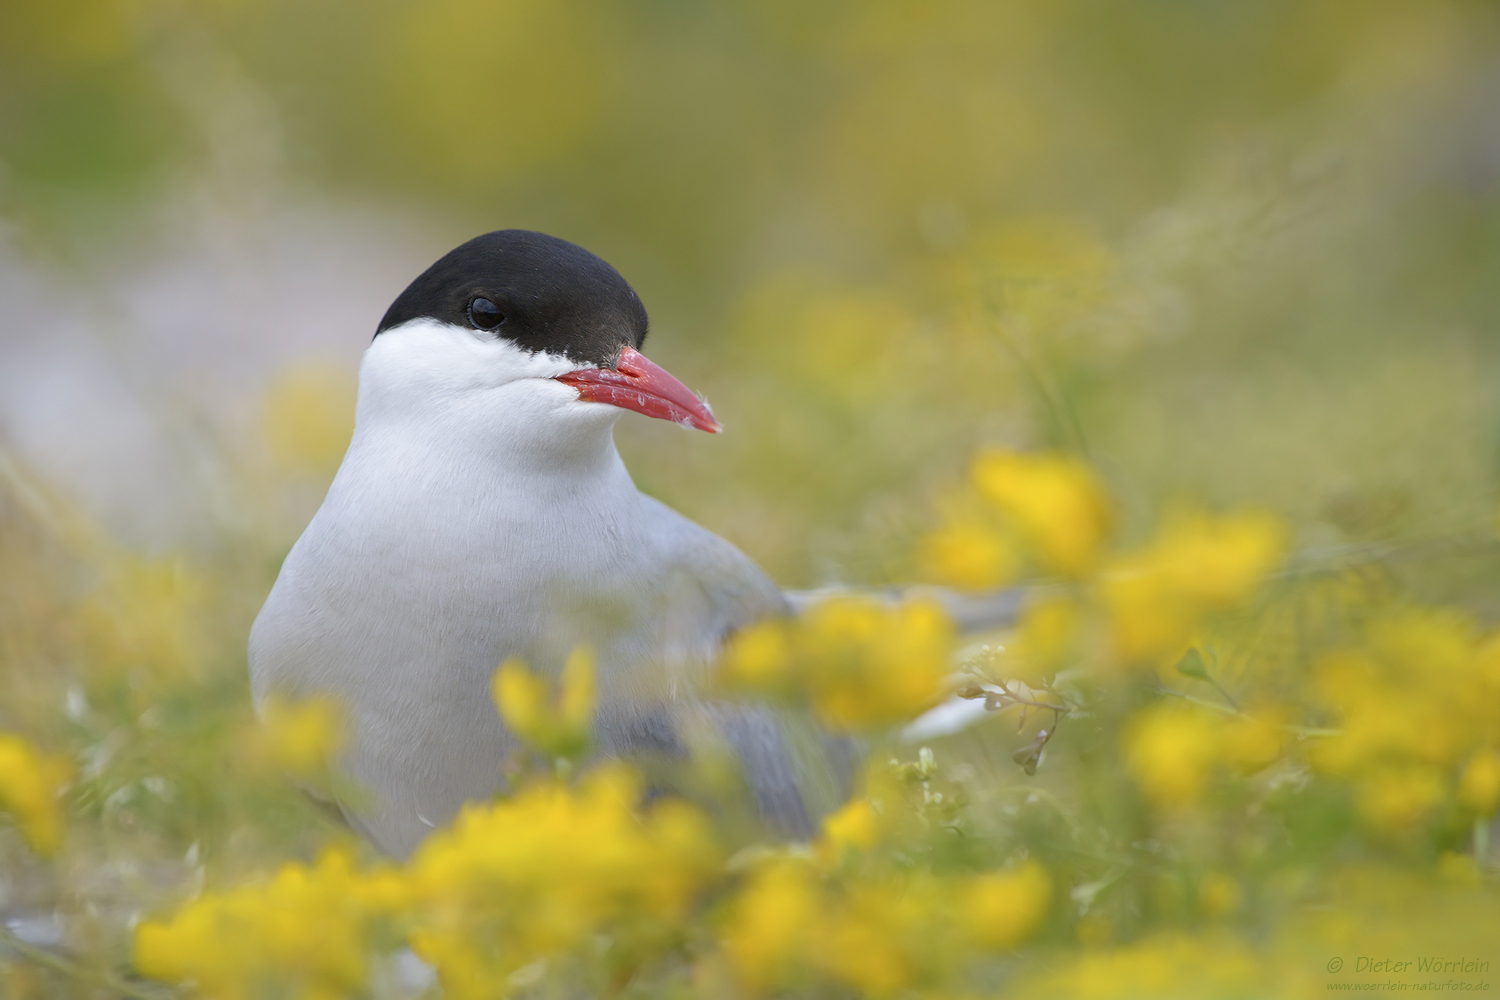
[(516, 427), (504, 458)]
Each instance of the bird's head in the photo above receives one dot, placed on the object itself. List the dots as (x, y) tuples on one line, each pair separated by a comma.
[(528, 326)]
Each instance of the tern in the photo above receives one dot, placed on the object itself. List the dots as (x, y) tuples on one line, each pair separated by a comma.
[(481, 513)]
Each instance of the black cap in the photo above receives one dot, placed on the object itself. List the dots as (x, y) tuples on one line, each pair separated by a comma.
[(543, 293)]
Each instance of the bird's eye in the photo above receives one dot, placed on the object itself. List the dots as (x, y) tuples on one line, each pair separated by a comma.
[(484, 314)]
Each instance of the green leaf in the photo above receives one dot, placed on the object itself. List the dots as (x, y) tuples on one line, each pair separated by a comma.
[(1191, 665)]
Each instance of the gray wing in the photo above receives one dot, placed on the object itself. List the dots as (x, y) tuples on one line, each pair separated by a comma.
[(795, 771), (971, 612)]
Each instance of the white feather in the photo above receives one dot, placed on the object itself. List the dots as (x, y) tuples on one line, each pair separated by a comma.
[(482, 512)]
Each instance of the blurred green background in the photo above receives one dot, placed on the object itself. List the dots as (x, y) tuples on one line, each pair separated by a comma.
[(1239, 251)]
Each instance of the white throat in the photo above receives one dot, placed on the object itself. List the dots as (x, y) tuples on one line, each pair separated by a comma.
[(431, 393)]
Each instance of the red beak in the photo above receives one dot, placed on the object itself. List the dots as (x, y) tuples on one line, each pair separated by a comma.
[(637, 383)]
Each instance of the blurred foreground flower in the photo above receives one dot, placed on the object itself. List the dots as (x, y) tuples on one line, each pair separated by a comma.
[(30, 783), (1416, 722), (548, 872), (510, 884), (1479, 785), (860, 663), (1049, 503), (1054, 499), (1043, 639), (1158, 596), (303, 932), (969, 553), (1004, 908), (880, 932), (1171, 752), (526, 704), (854, 826), (302, 737), (1165, 968), (766, 939)]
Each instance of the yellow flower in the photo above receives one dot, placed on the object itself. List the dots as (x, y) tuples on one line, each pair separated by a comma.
[(1148, 620), (1044, 637), (860, 663), (879, 932), (1394, 799), (1413, 712), (882, 937), (855, 826), (1253, 742), (1161, 968), (548, 870), (759, 657), (1219, 894), (768, 936), (1219, 561), (1479, 786), (303, 930), (1003, 908), (302, 737), (1373, 719), (967, 553), (576, 709), (1157, 597), (1054, 499), (30, 783), (521, 697), (868, 665), (1171, 752), (526, 704)]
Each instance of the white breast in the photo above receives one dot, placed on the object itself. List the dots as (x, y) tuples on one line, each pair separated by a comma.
[(500, 524)]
